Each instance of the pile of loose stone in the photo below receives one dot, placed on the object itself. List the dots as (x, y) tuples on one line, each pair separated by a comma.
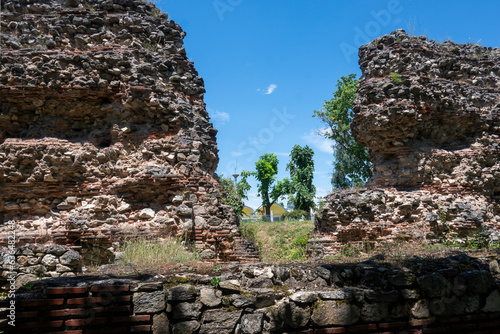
[(104, 134), (429, 114)]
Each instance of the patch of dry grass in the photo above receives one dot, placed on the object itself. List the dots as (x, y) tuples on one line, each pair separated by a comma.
[(143, 252)]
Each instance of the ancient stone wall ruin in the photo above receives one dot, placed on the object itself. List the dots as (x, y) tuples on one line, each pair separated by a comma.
[(430, 115), (458, 294), (104, 134)]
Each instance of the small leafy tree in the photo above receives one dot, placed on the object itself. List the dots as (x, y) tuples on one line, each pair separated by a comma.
[(301, 167), (234, 194), (270, 190), (352, 164)]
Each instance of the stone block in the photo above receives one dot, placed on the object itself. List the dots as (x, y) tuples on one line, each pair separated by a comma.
[(252, 323), (219, 321), (149, 302), (331, 313)]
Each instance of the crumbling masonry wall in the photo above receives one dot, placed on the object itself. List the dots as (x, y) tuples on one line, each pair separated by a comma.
[(430, 115), (104, 134), (457, 294)]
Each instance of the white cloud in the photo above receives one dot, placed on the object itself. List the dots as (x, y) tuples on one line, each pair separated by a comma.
[(315, 139), (236, 154), (220, 117), (270, 89)]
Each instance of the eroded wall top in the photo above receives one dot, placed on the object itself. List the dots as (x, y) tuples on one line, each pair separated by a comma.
[(430, 112), (104, 133)]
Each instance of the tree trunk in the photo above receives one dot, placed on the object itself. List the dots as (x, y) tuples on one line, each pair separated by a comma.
[(268, 212)]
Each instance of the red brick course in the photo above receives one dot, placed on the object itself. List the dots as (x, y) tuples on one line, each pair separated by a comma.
[(66, 291), (64, 313), (330, 330)]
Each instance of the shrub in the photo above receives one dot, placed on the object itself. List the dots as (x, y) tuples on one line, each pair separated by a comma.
[(295, 215)]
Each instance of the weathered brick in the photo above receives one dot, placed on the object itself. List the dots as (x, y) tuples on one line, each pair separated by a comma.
[(463, 327), (86, 322), (116, 310), (489, 324), (438, 329), (362, 328), (474, 317), (494, 315), (65, 312), (388, 325), (66, 290), (330, 330), (22, 315), (308, 331), (42, 302), (41, 324), (113, 330), (449, 320), (424, 322), (97, 300), (140, 328)]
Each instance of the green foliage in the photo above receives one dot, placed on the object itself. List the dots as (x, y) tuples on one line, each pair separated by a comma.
[(396, 78), (215, 281), (156, 12), (89, 7), (295, 214), (243, 187), (301, 169), (352, 164), (150, 46), (232, 195), (279, 241), (476, 241), (270, 190), (442, 214)]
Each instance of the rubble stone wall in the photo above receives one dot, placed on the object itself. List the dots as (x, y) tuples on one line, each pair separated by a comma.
[(458, 294), (104, 134), (429, 114)]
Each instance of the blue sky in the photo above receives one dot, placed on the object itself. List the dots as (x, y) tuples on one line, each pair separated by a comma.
[(268, 65)]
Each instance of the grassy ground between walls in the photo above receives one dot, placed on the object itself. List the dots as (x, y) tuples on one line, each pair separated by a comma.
[(154, 252), (282, 241)]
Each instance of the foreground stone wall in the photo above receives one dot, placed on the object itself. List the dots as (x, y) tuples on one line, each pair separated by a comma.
[(104, 134), (456, 294), (430, 115)]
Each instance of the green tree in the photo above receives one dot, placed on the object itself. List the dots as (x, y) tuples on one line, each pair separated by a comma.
[(270, 190), (234, 195), (301, 167), (352, 164)]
